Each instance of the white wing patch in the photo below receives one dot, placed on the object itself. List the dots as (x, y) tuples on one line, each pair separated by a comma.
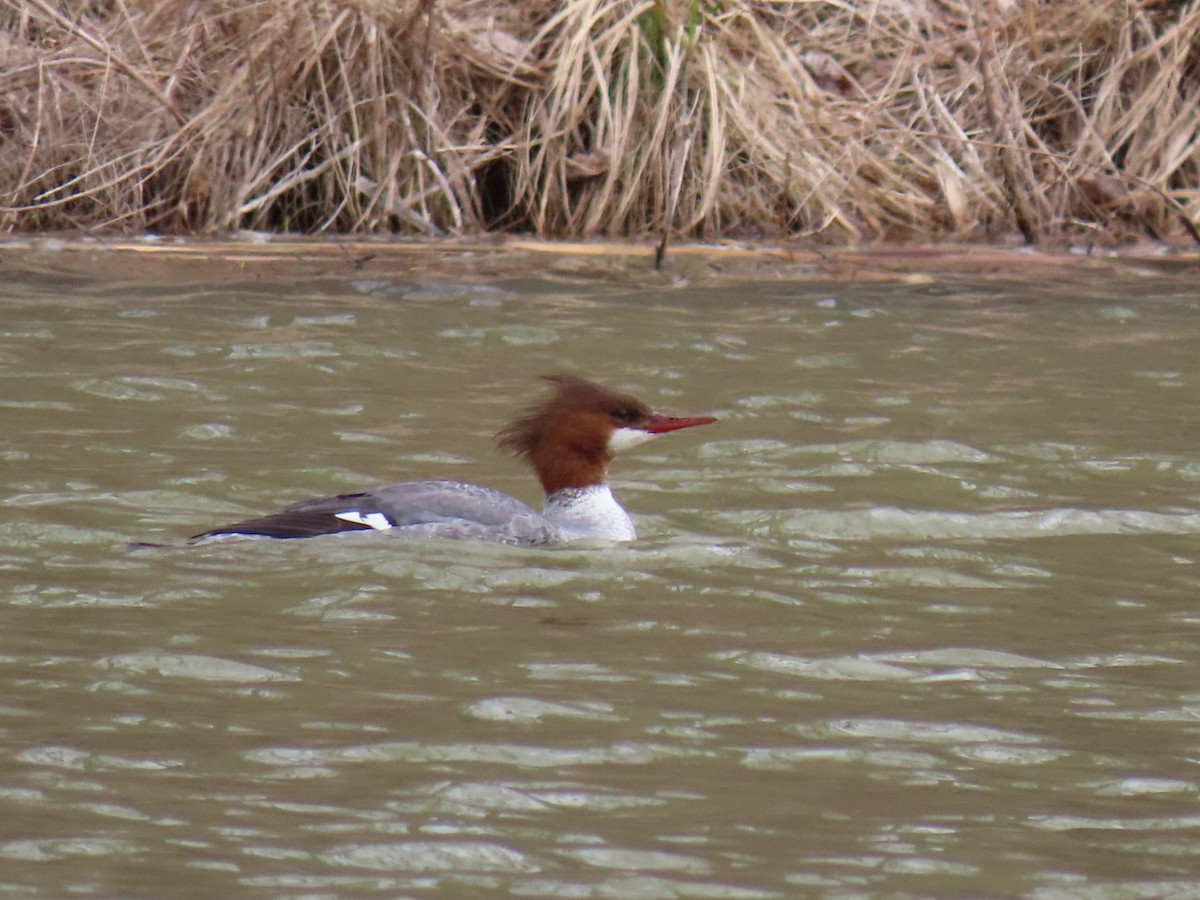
[(378, 521)]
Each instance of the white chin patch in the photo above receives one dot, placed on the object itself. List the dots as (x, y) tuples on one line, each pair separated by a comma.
[(378, 521), (624, 438)]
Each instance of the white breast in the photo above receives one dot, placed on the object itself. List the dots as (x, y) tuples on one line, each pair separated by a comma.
[(591, 512)]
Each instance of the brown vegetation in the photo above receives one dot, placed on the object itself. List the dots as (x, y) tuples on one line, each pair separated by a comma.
[(847, 119)]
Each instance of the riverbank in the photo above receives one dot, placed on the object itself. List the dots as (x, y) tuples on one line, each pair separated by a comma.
[(826, 123), (251, 258)]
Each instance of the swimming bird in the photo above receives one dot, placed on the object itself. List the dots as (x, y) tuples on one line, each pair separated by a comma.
[(569, 439)]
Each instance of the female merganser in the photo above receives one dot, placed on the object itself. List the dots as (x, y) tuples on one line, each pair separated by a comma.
[(569, 439)]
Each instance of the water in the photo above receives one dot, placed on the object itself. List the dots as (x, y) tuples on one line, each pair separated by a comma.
[(917, 618)]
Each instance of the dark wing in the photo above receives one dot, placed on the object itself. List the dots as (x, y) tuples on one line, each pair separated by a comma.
[(421, 508), (310, 518)]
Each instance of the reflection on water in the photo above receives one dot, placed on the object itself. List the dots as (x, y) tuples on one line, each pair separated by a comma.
[(916, 618)]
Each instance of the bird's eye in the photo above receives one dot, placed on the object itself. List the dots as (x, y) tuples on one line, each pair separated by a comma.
[(625, 415)]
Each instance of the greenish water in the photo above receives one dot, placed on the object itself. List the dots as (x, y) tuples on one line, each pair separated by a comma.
[(919, 617)]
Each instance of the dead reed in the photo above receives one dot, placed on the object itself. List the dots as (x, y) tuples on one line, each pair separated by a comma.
[(843, 119)]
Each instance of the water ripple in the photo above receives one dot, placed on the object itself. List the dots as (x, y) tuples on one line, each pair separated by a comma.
[(890, 523), (431, 856)]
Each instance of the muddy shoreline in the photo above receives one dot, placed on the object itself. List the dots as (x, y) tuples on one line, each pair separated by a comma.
[(255, 257)]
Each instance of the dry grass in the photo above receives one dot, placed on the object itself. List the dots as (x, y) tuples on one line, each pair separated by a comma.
[(847, 119)]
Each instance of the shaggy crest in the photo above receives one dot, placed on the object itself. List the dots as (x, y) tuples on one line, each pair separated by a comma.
[(525, 436)]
